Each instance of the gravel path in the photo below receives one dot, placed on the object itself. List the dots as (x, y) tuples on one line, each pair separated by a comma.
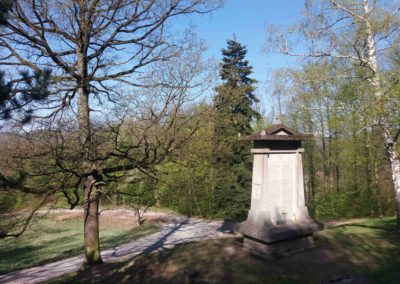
[(180, 230)]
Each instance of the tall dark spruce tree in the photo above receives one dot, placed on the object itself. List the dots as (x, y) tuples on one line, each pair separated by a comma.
[(234, 116)]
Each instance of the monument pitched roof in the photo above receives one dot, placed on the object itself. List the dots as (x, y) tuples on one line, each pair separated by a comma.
[(279, 132), (276, 128)]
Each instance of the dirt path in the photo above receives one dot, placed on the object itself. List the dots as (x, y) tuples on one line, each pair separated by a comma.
[(179, 230), (344, 222)]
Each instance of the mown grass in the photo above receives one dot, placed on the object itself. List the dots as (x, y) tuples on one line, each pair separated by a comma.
[(369, 250), (47, 240)]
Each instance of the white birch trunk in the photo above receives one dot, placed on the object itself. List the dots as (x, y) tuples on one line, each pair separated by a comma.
[(389, 142)]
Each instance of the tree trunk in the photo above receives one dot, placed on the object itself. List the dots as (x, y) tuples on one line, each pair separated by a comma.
[(91, 219), (138, 213), (311, 153), (324, 147), (376, 186), (91, 187), (389, 142), (157, 194), (390, 146)]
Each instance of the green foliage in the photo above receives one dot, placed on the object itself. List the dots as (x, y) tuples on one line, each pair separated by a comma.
[(234, 101), (193, 183), (234, 115), (11, 201), (141, 193), (347, 171), (186, 187), (135, 191), (332, 205), (185, 183)]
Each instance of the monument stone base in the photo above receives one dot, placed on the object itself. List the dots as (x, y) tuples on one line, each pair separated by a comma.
[(274, 241), (278, 249)]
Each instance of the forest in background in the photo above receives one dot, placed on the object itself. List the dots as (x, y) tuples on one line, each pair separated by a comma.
[(347, 172)]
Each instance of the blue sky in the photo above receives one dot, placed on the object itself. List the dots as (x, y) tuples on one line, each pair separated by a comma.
[(248, 21)]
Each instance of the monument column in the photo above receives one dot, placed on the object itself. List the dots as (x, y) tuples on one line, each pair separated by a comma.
[(278, 222)]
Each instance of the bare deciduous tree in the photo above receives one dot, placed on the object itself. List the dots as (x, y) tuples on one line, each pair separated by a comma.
[(95, 50)]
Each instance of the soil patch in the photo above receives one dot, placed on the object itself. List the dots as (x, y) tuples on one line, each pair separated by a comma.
[(112, 219)]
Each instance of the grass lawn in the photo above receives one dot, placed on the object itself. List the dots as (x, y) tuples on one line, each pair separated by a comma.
[(50, 239), (368, 250)]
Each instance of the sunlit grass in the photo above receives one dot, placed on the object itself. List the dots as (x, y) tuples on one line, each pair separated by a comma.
[(47, 240)]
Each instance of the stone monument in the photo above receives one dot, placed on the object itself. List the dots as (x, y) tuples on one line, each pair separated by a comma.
[(278, 222)]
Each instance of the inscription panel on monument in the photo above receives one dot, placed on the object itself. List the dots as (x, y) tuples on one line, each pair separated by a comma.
[(281, 187)]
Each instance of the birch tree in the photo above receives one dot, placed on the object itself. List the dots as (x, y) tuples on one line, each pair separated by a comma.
[(95, 48), (357, 33)]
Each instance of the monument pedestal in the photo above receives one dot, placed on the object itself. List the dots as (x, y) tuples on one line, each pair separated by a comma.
[(271, 242), (278, 222), (278, 249)]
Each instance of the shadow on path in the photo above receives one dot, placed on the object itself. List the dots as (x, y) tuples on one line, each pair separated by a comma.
[(180, 230)]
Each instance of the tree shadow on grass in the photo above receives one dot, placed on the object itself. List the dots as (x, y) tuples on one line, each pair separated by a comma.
[(27, 255), (138, 267), (339, 254), (98, 274), (21, 254), (373, 251)]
